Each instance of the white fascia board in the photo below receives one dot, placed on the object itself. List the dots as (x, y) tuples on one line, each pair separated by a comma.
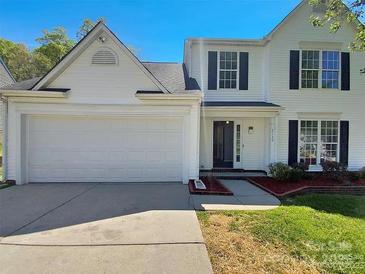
[(33, 93), (223, 41)]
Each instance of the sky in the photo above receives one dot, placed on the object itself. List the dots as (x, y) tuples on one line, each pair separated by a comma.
[(155, 28)]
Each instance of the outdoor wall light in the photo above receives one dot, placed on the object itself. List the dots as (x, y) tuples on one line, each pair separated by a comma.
[(102, 39), (250, 130)]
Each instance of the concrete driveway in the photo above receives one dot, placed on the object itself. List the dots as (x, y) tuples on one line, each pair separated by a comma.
[(100, 228)]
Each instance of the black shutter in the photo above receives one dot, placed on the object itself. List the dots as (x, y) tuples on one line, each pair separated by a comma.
[(293, 142), (294, 70), (212, 70), (344, 142), (243, 71), (345, 71)]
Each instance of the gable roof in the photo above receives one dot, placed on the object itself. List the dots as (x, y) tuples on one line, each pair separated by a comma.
[(172, 75), (99, 28), (2, 63)]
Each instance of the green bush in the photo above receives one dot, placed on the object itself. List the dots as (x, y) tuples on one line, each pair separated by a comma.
[(302, 166), (284, 173), (334, 170), (296, 174), (280, 171)]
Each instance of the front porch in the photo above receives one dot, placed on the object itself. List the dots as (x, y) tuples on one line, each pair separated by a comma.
[(237, 139)]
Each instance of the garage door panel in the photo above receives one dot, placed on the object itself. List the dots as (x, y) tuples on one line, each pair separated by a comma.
[(67, 149)]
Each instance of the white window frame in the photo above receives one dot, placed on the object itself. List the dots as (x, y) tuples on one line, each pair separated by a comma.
[(219, 68), (320, 69), (319, 140)]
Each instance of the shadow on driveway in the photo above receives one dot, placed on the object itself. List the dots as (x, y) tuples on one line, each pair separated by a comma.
[(103, 213)]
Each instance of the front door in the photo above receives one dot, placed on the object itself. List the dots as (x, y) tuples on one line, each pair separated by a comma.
[(223, 133)]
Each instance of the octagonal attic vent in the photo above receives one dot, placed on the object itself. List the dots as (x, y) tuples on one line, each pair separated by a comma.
[(104, 56)]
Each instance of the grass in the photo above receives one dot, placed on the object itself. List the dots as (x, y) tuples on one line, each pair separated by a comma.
[(307, 234)]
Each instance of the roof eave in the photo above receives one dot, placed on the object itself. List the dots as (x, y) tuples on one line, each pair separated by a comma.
[(33, 93)]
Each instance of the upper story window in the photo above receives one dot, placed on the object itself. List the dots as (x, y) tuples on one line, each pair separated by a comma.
[(228, 70), (320, 67), (330, 69)]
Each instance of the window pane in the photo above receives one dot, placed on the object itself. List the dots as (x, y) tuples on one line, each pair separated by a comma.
[(308, 142), (330, 69), (329, 139), (228, 70)]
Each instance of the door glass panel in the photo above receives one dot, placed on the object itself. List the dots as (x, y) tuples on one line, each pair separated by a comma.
[(238, 143)]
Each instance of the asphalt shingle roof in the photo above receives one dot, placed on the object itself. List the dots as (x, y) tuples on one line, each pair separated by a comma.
[(23, 85), (173, 76)]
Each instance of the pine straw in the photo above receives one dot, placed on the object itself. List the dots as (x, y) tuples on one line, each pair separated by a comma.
[(238, 251)]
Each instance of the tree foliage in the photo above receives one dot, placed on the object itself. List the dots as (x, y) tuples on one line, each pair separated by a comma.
[(86, 26), (53, 45), (338, 13)]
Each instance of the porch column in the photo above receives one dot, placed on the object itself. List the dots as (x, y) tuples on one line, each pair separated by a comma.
[(194, 141), (274, 139)]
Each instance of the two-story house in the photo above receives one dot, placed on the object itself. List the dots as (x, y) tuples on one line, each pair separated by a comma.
[(102, 115), (296, 95)]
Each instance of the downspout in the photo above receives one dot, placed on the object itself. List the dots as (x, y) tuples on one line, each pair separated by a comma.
[(5, 137)]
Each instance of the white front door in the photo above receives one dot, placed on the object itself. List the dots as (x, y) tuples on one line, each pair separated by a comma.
[(101, 149)]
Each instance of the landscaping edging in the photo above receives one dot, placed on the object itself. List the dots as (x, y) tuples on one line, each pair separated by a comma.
[(353, 190)]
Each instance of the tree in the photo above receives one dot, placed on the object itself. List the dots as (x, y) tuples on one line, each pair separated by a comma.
[(54, 45), (338, 13), (86, 26), (18, 59)]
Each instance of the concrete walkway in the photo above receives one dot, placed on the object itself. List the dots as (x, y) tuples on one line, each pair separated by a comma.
[(100, 228), (246, 197)]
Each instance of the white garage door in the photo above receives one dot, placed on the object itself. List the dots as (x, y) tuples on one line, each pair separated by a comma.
[(82, 149)]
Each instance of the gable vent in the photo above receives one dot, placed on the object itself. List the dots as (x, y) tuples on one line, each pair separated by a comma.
[(104, 57)]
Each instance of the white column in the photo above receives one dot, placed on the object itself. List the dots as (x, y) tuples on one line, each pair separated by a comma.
[(274, 139), (194, 141)]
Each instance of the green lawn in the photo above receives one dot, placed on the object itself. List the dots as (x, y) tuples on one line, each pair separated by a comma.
[(307, 234)]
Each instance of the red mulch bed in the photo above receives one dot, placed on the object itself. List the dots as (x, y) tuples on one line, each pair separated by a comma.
[(214, 187), (284, 188)]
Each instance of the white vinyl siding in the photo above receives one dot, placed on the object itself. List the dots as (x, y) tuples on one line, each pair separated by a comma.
[(328, 103)]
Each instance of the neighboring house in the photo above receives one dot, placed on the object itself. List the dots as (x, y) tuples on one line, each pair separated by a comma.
[(101, 115), (6, 79)]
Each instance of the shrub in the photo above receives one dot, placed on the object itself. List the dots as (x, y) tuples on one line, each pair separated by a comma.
[(284, 173), (301, 166), (280, 171), (296, 174), (334, 170), (362, 173)]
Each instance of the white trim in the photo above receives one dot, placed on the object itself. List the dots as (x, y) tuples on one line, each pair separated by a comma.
[(33, 93)]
